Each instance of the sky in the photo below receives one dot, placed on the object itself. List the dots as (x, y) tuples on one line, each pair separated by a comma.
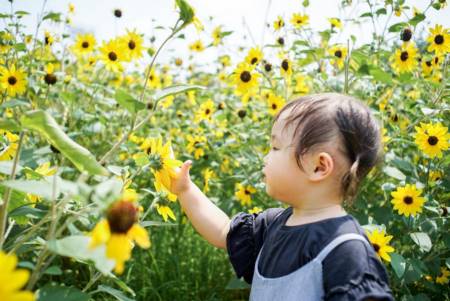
[(243, 17)]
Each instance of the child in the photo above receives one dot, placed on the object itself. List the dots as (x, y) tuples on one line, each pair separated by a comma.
[(323, 145)]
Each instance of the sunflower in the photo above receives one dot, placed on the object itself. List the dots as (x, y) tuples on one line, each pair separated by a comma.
[(43, 170), (255, 210), (339, 53), (299, 20), (119, 230), (380, 242), (286, 68), (432, 139), (196, 145), (443, 277), (13, 279), (205, 111), (275, 103), (278, 23), (48, 39), (84, 44), (165, 212), (132, 42), (407, 200), (405, 58), (12, 80), (335, 23), (244, 79), (208, 173), (300, 84), (197, 46), (112, 55), (154, 80), (439, 40), (225, 60), (217, 35), (243, 194), (8, 145), (427, 67), (254, 56)]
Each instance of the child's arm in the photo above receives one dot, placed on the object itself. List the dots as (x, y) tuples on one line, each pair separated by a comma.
[(208, 219)]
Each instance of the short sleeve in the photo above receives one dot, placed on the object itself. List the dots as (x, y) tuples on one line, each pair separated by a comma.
[(352, 272), (245, 238)]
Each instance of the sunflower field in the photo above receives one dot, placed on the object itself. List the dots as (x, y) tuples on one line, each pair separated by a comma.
[(91, 132)]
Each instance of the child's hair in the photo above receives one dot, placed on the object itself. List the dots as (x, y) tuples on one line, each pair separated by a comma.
[(320, 118)]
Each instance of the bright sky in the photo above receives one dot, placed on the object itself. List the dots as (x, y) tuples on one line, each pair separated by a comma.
[(240, 16)]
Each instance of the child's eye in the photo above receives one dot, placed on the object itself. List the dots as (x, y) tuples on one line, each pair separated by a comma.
[(274, 148)]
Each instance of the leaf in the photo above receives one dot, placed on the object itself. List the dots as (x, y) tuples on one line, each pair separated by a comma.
[(422, 240), (380, 75), (77, 247), (57, 293), (186, 12), (398, 263), (42, 188), (53, 270), (397, 27), (394, 173), (172, 90), (6, 167), (9, 125), (381, 11), (14, 103), (28, 212), (417, 19), (52, 16), (43, 123), (129, 102), (113, 292)]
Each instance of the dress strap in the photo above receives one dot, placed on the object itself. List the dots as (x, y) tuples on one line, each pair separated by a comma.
[(337, 241)]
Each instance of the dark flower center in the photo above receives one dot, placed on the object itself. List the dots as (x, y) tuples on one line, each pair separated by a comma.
[(408, 200), (338, 53), (50, 79), (406, 35), (428, 63), (274, 106), (131, 45), (433, 140), (280, 41), (376, 247), (404, 56), (254, 60), (247, 192), (439, 39), (12, 80), (268, 67), (207, 111), (246, 76), (85, 44), (285, 65), (118, 13), (112, 56), (122, 216)]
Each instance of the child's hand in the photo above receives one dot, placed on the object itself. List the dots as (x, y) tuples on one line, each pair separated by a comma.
[(182, 182)]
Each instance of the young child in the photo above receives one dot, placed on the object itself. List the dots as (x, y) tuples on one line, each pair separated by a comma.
[(323, 145)]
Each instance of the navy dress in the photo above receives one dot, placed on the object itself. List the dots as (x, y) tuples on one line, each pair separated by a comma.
[(351, 271)]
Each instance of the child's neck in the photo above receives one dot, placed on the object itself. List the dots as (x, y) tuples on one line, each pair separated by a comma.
[(304, 215)]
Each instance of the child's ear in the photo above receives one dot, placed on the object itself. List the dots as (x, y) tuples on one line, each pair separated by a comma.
[(323, 166)]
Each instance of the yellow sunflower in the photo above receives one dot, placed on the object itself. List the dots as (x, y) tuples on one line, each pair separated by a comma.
[(244, 78), (278, 23), (119, 230), (154, 80), (275, 103), (13, 280), (299, 20), (432, 139), (254, 56), (286, 68), (112, 55), (335, 23), (255, 210), (243, 194), (197, 46), (405, 58), (339, 53), (12, 80), (8, 145), (43, 170), (132, 42), (205, 111), (380, 242), (300, 84), (443, 277), (196, 145), (407, 200), (84, 44), (217, 35), (208, 174), (439, 40)]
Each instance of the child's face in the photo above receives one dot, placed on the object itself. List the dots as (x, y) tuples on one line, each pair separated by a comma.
[(283, 177)]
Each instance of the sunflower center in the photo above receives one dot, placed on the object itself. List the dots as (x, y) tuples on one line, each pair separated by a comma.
[(122, 216), (404, 55), (207, 111), (247, 192), (376, 247), (112, 56), (246, 76), (338, 53), (433, 140), (408, 200), (85, 44), (428, 63), (155, 161), (254, 60), (274, 106), (439, 39), (131, 45), (12, 80), (285, 65)]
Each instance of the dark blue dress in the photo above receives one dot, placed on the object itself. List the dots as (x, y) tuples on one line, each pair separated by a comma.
[(351, 271)]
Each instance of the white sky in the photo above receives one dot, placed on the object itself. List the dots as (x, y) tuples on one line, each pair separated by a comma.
[(96, 16)]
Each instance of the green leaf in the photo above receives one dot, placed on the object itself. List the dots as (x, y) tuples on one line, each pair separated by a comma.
[(397, 27), (141, 159), (58, 293), (186, 12), (52, 16), (6, 167), (368, 14), (21, 13), (381, 11), (422, 240), (77, 247), (9, 125), (14, 103), (53, 270), (45, 125), (27, 212), (176, 89), (394, 173), (417, 19), (43, 188), (113, 292), (380, 75), (398, 263), (129, 102)]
